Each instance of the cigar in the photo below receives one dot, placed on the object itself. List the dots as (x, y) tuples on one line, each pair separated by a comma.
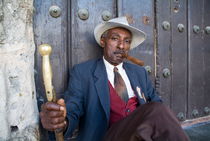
[(133, 59)]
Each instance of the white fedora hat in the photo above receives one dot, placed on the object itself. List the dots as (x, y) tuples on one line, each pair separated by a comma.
[(138, 36)]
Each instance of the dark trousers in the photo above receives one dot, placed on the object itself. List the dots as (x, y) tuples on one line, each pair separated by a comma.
[(149, 122)]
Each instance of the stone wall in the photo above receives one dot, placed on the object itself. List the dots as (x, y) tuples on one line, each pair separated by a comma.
[(18, 109)]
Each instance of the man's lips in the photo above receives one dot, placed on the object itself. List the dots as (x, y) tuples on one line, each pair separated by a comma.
[(119, 52), (119, 55)]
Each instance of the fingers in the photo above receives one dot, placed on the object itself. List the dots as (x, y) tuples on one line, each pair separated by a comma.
[(53, 115), (57, 120), (51, 106), (52, 124), (63, 106)]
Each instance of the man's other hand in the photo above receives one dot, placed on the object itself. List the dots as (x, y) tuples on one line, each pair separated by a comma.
[(53, 115)]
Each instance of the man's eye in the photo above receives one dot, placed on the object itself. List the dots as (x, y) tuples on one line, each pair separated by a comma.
[(128, 41), (114, 38)]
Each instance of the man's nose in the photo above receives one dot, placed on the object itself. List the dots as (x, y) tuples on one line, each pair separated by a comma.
[(120, 44)]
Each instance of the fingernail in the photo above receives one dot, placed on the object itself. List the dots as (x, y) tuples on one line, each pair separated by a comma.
[(62, 108)]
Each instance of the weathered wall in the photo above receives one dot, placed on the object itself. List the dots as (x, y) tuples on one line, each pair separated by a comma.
[(18, 109)]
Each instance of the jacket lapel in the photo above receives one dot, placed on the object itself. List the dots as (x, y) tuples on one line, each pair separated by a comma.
[(135, 83), (101, 85)]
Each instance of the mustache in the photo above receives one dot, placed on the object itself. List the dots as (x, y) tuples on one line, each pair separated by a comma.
[(120, 52)]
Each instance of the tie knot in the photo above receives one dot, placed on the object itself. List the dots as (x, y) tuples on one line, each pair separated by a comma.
[(115, 69)]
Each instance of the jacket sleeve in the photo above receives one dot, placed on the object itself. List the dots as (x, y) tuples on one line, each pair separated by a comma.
[(74, 98)]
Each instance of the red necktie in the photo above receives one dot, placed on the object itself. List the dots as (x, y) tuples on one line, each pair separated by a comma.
[(120, 86)]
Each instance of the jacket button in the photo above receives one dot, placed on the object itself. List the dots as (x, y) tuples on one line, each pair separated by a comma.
[(128, 110)]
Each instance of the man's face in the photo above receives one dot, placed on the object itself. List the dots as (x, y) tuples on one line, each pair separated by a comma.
[(115, 43)]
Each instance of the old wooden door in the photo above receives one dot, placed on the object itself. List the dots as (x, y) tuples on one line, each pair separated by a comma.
[(175, 52), (183, 48)]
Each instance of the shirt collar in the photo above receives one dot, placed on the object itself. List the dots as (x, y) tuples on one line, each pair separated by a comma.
[(110, 66)]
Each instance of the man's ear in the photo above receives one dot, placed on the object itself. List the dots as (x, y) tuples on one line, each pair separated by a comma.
[(102, 42)]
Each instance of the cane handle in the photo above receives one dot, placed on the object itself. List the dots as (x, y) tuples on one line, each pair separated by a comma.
[(45, 51)]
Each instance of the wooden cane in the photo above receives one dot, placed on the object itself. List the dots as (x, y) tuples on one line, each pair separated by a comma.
[(45, 51), (134, 60)]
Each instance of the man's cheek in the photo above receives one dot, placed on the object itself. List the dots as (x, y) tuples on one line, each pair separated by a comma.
[(111, 54)]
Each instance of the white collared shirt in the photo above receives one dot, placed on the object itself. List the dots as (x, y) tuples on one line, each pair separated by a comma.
[(121, 70)]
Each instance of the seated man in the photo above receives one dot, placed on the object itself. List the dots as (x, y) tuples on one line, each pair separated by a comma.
[(109, 99)]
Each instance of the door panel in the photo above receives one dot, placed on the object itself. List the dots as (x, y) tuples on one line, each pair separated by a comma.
[(52, 31), (163, 50), (199, 69), (206, 14), (179, 51)]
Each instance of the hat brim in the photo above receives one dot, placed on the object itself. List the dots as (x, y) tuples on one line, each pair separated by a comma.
[(138, 36)]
